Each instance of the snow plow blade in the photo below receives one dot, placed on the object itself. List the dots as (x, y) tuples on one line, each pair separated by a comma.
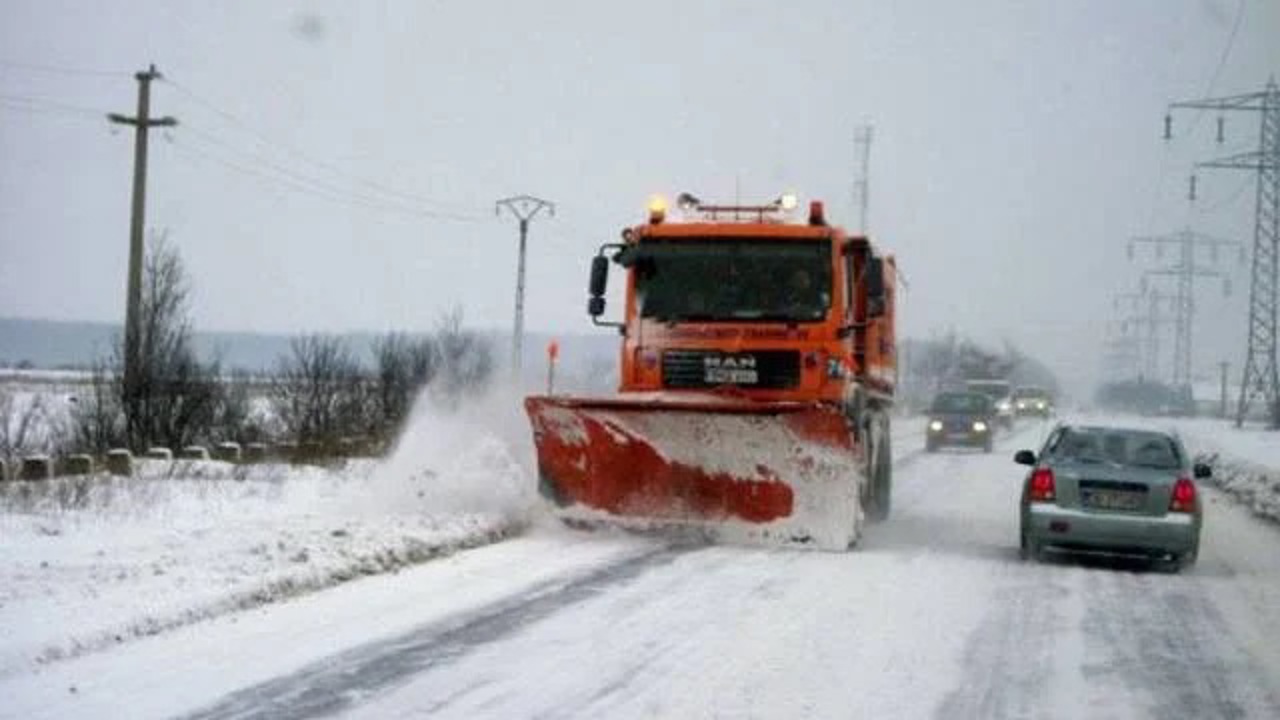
[(736, 470)]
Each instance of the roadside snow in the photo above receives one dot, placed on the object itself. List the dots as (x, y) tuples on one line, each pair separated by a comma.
[(1245, 461), (87, 563)]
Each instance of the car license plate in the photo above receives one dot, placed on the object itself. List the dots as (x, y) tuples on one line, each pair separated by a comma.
[(734, 376), (1112, 500)]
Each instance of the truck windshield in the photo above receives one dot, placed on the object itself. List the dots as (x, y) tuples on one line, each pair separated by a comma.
[(733, 279)]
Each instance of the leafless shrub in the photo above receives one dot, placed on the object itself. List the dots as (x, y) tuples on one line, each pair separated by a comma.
[(26, 428), (466, 358), (319, 392), (404, 366), (97, 419), (172, 398)]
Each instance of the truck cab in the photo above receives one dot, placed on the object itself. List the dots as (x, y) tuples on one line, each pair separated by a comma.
[(738, 299)]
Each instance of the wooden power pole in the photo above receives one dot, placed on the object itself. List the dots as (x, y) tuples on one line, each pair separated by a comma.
[(142, 123)]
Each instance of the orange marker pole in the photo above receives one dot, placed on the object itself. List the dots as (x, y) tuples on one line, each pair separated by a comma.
[(553, 352)]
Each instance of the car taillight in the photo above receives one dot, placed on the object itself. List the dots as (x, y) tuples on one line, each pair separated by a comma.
[(1184, 496), (1042, 487)]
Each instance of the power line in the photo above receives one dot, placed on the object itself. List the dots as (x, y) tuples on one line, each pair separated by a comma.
[(268, 166), (42, 104), (59, 70), (1226, 51), (200, 155), (451, 209), (1195, 123)]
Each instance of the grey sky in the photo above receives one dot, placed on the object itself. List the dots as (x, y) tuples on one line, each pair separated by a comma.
[(1017, 145)]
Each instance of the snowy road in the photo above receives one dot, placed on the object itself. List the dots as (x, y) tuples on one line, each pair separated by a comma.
[(934, 616)]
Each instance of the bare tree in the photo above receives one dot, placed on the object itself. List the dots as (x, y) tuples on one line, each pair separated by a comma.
[(404, 366), (318, 392), (173, 395), (97, 420), (232, 414), (24, 427), (466, 358)]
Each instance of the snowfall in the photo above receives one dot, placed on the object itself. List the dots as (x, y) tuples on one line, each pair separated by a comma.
[(432, 583)]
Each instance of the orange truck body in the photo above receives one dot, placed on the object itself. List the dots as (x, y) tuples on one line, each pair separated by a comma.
[(761, 427)]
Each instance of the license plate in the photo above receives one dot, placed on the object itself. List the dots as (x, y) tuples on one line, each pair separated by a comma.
[(733, 376), (1111, 500)]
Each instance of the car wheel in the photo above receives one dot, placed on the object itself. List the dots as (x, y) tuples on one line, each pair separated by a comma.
[(988, 446), (1029, 549), (1187, 559)]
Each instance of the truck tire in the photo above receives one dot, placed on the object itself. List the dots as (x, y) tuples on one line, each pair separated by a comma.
[(880, 477)]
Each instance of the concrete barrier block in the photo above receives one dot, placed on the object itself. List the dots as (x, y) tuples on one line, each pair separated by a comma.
[(194, 452), (36, 467), (77, 465), (159, 453), (227, 451), (120, 462), (254, 453)]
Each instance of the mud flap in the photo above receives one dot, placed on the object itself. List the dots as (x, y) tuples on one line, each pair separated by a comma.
[(778, 473)]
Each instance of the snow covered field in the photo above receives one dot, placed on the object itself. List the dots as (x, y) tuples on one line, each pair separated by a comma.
[(94, 562), (933, 616)]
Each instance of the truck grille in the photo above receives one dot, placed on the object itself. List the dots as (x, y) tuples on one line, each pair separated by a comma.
[(765, 369)]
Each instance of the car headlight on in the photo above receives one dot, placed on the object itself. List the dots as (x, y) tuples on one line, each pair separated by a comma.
[(1041, 405), (936, 426), (979, 426)]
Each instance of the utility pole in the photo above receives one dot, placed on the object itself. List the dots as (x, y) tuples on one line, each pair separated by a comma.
[(1222, 367), (1185, 271), (862, 186), (142, 123), (524, 208), (1261, 376)]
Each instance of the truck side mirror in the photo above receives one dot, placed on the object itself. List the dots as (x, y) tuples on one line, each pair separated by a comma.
[(599, 276), (874, 278), (597, 285)]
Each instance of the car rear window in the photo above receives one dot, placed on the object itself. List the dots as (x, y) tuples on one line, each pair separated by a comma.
[(1119, 447), (961, 403)]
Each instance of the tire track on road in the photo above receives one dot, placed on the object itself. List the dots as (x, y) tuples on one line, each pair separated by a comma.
[(1162, 636), (339, 683)]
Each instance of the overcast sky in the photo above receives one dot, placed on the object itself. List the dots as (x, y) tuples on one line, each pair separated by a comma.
[(1017, 145)]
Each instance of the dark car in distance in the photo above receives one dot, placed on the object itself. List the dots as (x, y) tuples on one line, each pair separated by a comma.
[(964, 419)]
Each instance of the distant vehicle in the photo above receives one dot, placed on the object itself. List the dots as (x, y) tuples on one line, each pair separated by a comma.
[(1032, 401), (1111, 490), (960, 418), (1001, 394)]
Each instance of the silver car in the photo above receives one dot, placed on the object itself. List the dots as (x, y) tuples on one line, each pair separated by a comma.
[(1112, 490)]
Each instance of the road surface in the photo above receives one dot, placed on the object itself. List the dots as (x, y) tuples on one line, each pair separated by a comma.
[(934, 616)]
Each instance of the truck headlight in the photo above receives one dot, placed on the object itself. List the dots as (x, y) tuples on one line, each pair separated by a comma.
[(979, 426), (936, 426)]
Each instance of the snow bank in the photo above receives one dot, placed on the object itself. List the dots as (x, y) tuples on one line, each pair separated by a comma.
[(1245, 461), (89, 562), (1256, 486)]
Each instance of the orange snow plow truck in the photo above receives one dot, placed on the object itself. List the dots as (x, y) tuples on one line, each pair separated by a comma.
[(758, 369)]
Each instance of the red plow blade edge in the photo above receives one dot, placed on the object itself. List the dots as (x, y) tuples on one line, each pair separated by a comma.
[(779, 472)]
